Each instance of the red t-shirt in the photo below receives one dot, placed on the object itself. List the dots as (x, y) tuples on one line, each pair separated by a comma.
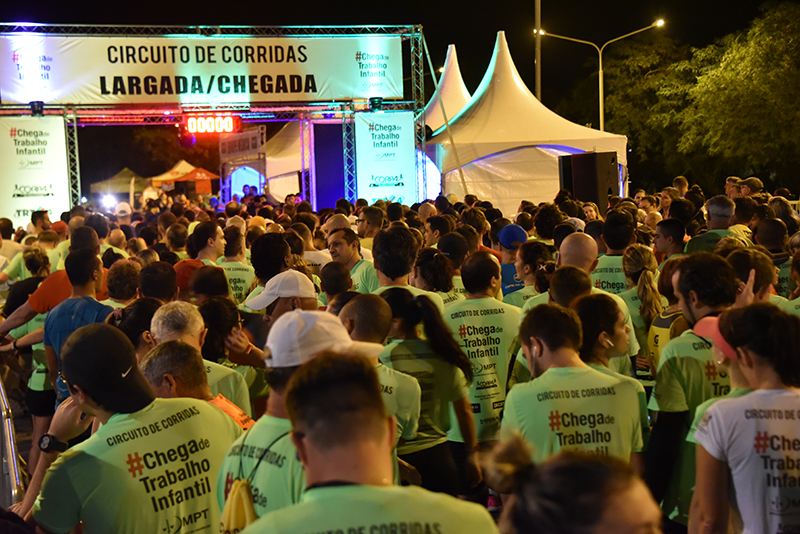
[(55, 289)]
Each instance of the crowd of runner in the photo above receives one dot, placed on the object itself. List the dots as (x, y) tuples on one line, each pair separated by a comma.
[(387, 369)]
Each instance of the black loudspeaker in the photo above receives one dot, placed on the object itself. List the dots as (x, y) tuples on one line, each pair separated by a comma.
[(591, 176)]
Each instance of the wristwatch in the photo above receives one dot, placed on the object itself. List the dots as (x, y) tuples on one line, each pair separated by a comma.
[(49, 443)]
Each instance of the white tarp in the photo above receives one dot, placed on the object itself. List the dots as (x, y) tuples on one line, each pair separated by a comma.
[(284, 151), (499, 131), (452, 92), (35, 174), (182, 69)]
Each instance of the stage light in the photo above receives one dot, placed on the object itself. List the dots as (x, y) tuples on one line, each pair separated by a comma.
[(37, 108), (375, 103), (84, 200), (109, 201)]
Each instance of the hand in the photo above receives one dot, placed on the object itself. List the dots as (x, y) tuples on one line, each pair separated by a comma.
[(746, 296), (642, 362), (472, 471), (237, 341), (67, 423)]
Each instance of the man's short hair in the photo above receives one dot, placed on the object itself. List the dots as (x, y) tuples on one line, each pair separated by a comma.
[(122, 280), (680, 181), (99, 223), (80, 266), (475, 218), (771, 233), (470, 235), (334, 400), (745, 209), (568, 283), (335, 278), (555, 326), (672, 228), (618, 229), (744, 259), (176, 319), (268, 255), (373, 215), (309, 220), (711, 278), (720, 207), (37, 216), (301, 229), (6, 228), (210, 281), (394, 251), (478, 270), (394, 211), (546, 220), (84, 238), (232, 209), (166, 219), (159, 281), (683, 210), (440, 223), (177, 235), (371, 315), (177, 358), (347, 234), (48, 236)]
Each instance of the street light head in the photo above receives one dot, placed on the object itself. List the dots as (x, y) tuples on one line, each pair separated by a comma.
[(541, 32), (658, 23)]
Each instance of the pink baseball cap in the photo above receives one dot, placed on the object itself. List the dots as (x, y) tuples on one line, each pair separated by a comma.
[(708, 327)]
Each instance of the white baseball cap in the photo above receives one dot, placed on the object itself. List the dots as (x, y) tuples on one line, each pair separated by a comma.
[(286, 284), (122, 209), (297, 336)]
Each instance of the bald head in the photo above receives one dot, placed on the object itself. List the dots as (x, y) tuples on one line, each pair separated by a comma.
[(579, 250), (336, 222), (368, 318), (426, 210)]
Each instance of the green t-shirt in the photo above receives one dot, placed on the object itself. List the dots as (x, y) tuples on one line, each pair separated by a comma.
[(520, 296), (436, 299), (63, 250), (277, 478), (786, 283), (791, 307), (633, 346), (40, 377), (240, 278), (54, 257), (106, 246), (140, 472), (183, 255), (707, 241), (701, 410), (686, 378), (576, 408), (661, 265), (112, 303), (365, 279), (452, 295), (352, 508), (643, 415), (402, 396), (253, 294), (640, 330), (230, 384), (487, 331), (16, 270), (609, 276), (441, 384)]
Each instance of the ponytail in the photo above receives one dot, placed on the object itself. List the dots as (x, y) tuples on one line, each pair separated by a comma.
[(421, 309), (639, 264)]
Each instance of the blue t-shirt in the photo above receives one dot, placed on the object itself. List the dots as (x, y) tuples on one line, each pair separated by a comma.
[(509, 279), (67, 317)]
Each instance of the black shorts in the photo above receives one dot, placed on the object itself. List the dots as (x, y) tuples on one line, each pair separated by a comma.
[(41, 403)]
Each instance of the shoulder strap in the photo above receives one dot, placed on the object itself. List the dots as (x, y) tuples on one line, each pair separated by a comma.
[(263, 454)]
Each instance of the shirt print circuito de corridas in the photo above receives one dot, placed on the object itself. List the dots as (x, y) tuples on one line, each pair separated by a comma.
[(487, 331)]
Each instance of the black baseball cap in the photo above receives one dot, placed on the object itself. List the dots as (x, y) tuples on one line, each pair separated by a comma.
[(101, 360), (453, 246)]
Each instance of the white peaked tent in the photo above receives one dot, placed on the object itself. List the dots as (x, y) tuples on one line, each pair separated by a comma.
[(508, 142), (451, 92), (283, 151)]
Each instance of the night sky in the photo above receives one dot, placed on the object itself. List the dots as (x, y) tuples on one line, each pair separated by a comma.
[(470, 25)]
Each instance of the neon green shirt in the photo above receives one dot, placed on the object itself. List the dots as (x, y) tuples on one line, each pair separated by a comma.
[(54, 257), (376, 509), (240, 278), (791, 307), (230, 384), (520, 296), (106, 246), (686, 377), (16, 270), (576, 408), (365, 279), (140, 472), (786, 283), (487, 332), (277, 479), (707, 241), (63, 250), (40, 378), (637, 385), (609, 276), (441, 383), (113, 303)]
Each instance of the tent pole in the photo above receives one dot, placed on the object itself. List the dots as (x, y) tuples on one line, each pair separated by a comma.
[(446, 120)]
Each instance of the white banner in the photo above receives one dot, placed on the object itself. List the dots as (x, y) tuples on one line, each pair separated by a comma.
[(385, 150), (239, 145), (35, 173), (188, 70)]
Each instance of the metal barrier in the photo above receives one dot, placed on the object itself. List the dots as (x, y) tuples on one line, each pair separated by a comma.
[(11, 489)]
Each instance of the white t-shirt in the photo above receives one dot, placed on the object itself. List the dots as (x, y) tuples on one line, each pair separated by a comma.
[(758, 436), (316, 259)]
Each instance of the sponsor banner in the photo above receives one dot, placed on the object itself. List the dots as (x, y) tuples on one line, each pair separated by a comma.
[(239, 145), (385, 165), (35, 173), (188, 70)]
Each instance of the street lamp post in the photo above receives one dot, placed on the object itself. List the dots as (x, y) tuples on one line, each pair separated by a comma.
[(600, 49)]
